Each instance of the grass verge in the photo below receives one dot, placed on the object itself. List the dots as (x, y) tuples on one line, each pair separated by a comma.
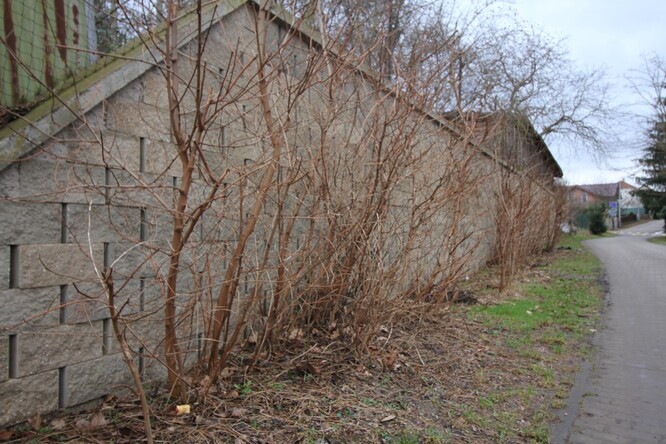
[(659, 240), (555, 309)]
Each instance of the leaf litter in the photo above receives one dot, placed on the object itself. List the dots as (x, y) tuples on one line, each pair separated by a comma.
[(441, 378)]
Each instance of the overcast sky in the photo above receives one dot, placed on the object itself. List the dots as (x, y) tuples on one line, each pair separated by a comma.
[(611, 34)]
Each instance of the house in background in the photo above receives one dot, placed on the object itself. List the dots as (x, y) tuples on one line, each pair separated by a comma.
[(581, 197), (629, 203)]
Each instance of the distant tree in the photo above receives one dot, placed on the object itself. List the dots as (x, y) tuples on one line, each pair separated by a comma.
[(479, 59), (598, 219), (119, 21), (108, 28), (653, 181)]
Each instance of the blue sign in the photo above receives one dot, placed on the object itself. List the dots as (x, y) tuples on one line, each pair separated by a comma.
[(613, 204)]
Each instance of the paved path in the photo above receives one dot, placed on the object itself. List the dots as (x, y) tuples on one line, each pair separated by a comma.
[(624, 398)]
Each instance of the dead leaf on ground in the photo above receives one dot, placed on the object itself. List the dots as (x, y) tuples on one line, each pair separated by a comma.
[(35, 422), (98, 420), (58, 424), (238, 412), (307, 368), (388, 418), (253, 338), (227, 372), (6, 435), (389, 360), (205, 381), (296, 333)]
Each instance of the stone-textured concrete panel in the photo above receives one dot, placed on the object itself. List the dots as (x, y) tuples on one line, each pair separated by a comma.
[(143, 190), (4, 357), (104, 223), (57, 181), (162, 158), (39, 306), (154, 91), (95, 378), (153, 295), (142, 330), (159, 224), (216, 158), (58, 264), (50, 348), (132, 117), (9, 181), (89, 302), (102, 148), (25, 397), (130, 261), (86, 303), (29, 223), (121, 151), (4, 266), (154, 369)]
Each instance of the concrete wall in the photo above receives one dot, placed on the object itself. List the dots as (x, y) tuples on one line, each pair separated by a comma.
[(100, 193)]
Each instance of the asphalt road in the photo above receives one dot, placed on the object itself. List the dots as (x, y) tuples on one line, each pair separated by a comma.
[(624, 398)]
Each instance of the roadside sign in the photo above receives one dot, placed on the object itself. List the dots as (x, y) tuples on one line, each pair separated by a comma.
[(613, 204)]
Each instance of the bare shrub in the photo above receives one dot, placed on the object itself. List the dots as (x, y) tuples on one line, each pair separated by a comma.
[(253, 185)]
